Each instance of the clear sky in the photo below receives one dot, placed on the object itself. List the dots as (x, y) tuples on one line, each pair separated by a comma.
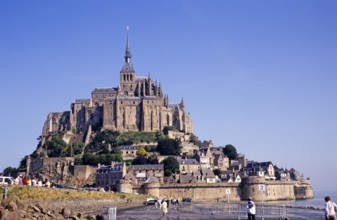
[(261, 75)]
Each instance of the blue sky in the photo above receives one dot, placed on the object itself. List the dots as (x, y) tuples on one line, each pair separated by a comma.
[(260, 75)]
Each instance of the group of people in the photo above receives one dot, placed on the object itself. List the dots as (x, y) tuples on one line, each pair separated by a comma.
[(23, 181)]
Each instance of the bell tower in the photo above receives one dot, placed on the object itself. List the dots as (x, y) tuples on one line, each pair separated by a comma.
[(127, 74)]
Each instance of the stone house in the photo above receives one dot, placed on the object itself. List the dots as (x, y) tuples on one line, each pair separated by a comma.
[(128, 152), (189, 148), (205, 175), (265, 169), (109, 176), (188, 165), (205, 156), (221, 161), (282, 174), (138, 174)]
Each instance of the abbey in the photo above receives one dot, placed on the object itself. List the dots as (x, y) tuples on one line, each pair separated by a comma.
[(136, 104)]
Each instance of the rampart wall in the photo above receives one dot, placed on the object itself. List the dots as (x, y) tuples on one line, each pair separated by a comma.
[(249, 187)]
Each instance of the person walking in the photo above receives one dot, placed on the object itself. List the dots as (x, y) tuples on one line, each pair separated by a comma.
[(330, 207), (251, 210), (164, 208)]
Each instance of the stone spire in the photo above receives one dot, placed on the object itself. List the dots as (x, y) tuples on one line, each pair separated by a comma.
[(182, 105), (160, 90), (127, 67), (127, 49)]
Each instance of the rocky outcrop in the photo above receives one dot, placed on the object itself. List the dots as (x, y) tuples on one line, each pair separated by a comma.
[(16, 209)]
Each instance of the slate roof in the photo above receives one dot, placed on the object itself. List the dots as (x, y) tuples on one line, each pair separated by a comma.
[(125, 147), (118, 167), (82, 100), (146, 167), (151, 179), (188, 161), (127, 68), (105, 90)]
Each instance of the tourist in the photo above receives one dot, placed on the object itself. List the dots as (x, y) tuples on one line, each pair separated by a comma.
[(159, 201), (47, 183), (17, 180), (20, 181), (29, 182), (251, 210), (164, 207), (24, 181), (33, 182), (330, 208)]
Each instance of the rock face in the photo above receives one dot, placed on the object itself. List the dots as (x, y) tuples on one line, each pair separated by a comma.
[(15, 209)]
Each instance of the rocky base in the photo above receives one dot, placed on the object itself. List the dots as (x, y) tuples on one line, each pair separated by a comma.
[(58, 210)]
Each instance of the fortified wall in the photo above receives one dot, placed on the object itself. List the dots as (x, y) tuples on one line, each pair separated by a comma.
[(256, 187)]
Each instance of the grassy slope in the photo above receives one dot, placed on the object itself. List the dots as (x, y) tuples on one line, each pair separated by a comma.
[(26, 193)]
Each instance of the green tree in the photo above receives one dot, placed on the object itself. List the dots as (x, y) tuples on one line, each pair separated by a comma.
[(195, 140), (102, 141), (141, 151), (230, 151), (150, 148), (139, 160), (116, 150), (78, 161), (10, 171), (171, 166), (55, 146), (90, 159), (159, 136), (23, 163), (169, 147), (153, 159)]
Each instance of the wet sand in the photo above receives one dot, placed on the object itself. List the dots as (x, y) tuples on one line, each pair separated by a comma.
[(204, 211)]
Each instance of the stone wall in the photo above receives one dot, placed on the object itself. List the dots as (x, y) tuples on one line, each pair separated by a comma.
[(249, 187), (82, 172)]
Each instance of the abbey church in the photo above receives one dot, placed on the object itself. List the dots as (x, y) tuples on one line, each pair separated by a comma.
[(136, 104)]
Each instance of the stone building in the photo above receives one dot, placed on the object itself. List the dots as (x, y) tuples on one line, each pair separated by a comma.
[(136, 104), (128, 152), (109, 176), (188, 165), (138, 174)]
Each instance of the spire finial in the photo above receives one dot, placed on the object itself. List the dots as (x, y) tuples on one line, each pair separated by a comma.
[(127, 49), (182, 105)]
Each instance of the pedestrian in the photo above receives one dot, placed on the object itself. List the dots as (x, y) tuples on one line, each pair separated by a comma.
[(34, 182), (24, 181), (251, 210), (330, 209), (164, 208), (20, 181), (47, 183), (159, 201), (17, 181)]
